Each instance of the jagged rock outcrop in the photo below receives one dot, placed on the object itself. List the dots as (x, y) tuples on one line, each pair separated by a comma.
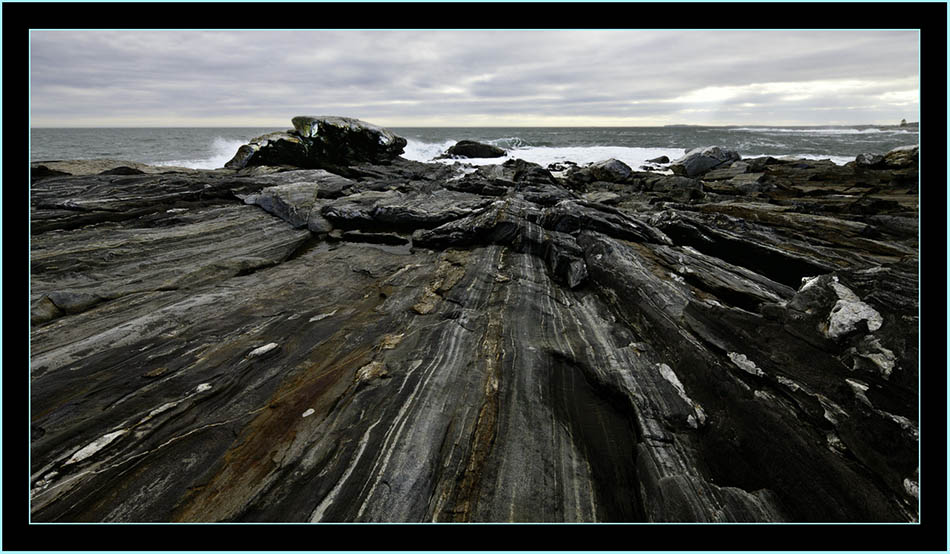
[(321, 142), (401, 342)]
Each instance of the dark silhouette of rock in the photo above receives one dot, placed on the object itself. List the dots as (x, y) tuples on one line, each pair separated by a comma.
[(473, 149), (323, 142)]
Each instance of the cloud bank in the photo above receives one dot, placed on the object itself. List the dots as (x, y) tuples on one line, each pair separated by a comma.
[(480, 78)]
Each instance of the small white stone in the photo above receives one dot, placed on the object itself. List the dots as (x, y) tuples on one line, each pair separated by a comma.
[(322, 316), (262, 350), (309, 412), (848, 311)]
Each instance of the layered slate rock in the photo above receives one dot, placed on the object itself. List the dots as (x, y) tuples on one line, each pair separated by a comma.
[(490, 346)]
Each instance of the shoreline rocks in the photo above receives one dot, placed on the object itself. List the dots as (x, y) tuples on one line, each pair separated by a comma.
[(700, 160), (395, 341), (321, 142), (473, 149)]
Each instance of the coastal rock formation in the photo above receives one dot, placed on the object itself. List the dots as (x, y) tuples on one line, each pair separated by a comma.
[(472, 149), (700, 160), (405, 342), (325, 142)]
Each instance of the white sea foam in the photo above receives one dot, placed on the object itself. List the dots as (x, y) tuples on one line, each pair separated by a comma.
[(219, 153), (545, 155), (822, 131), (425, 151)]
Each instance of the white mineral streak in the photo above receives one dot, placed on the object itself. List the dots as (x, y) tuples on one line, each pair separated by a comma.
[(309, 412), (203, 387), (95, 446), (162, 408), (317, 513), (699, 415), (762, 395), (833, 412), (907, 425), (859, 389), (745, 364), (848, 311), (792, 385), (322, 316), (262, 350)]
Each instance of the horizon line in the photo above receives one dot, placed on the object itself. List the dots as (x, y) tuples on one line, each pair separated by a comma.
[(908, 124)]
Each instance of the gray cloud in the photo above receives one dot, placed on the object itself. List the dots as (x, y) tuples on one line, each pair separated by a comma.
[(402, 78)]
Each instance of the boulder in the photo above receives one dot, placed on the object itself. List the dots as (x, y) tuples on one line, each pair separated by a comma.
[(700, 160), (608, 171), (612, 171), (472, 149), (323, 142), (660, 160), (902, 156), (871, 161)]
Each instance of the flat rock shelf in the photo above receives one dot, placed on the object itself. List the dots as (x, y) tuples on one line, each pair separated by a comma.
[(395, 341)]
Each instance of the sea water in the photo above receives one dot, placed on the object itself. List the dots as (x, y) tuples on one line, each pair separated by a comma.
[(210, 148)]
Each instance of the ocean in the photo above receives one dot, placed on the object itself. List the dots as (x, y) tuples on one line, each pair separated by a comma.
[(210, 148)]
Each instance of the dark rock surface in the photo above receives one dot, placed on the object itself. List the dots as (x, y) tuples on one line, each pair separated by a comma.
[(473, 149), (404, 342), (321, 142), (700, 160)]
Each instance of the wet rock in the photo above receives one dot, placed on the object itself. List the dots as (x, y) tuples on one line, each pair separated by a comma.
[(902, 157), (698, 161), (473, 149), (611, 170), (321, 142), (872, 161), (40, 172)]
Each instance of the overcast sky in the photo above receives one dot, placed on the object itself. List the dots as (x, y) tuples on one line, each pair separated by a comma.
[(473, 78)]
